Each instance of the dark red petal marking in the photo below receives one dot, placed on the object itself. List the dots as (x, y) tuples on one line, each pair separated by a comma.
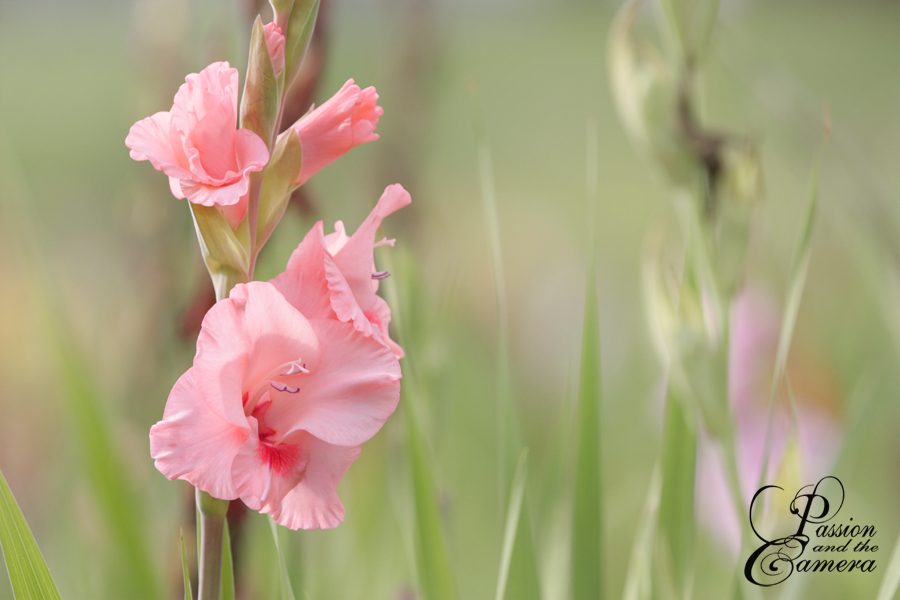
[(282, 459)]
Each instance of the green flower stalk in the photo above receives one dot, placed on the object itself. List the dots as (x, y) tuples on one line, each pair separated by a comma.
[(212, 542)]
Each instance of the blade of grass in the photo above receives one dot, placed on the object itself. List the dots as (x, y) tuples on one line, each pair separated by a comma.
[(492, 224), (587, 523), (676, 507), (28, 573), (796, 283), (434, 567), (185, 570), (523, 574), (512, 523), (115, 495), (227, 567), (891, 582), (287, 592), (436, 578), (638, 581)]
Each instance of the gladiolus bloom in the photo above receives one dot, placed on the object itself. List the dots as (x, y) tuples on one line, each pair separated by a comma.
[(275, 407), (290, 377), (196, 143), (345, 120)]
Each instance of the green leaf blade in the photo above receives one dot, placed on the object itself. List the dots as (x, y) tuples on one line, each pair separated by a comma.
[(891, 582), (287, 591), (227, 566), (436, 576), (513, 517), (28, 573), (587, 526), (676, 505), (186, 571)]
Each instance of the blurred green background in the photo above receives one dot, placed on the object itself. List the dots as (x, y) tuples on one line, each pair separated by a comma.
[(99, 263)]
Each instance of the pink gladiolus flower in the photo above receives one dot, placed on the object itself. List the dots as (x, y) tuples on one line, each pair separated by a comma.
[(290, 377), (345, 265), (197, 145), (345, 120), (275, 407), (275, 43)]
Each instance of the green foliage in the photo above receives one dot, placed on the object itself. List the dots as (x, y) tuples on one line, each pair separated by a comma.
[(185, 570), (227, 566), (891, 581), (287, 591), (296, 39), (587, 522), (224, 250), (676, 504), (435, 574), (796, 282), (261, 99), (522, 569), (119, 503), (27, 570), (512, 523)]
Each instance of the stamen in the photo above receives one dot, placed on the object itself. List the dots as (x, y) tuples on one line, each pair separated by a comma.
[(380, 275), (283, 387), (295, 368)]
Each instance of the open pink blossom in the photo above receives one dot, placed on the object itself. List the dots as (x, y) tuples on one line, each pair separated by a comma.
[(345, 120), (342, 268), (196, 143), (275, 406), (275, 44)]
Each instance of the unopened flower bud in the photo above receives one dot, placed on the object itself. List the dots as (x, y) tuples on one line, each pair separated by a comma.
[(262, 92), (275, 42)]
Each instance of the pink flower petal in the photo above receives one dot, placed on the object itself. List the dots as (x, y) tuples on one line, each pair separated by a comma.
[(264, 473), (195, 441), (175, 186), (313, 503), (151, 139), (214, 136), (234, 213), (350, 392), (345, 120), (213, 195), (201, 92), (303, 283), (243, 338), (380, 317), (354, 259)]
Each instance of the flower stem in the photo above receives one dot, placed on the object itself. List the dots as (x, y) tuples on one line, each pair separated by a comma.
[(212, 538)]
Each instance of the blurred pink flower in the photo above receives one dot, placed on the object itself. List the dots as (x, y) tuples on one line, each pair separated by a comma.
[(275, 43), (345, 266), (345, 120), (754, 338), (290, 377), (197, 145)]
